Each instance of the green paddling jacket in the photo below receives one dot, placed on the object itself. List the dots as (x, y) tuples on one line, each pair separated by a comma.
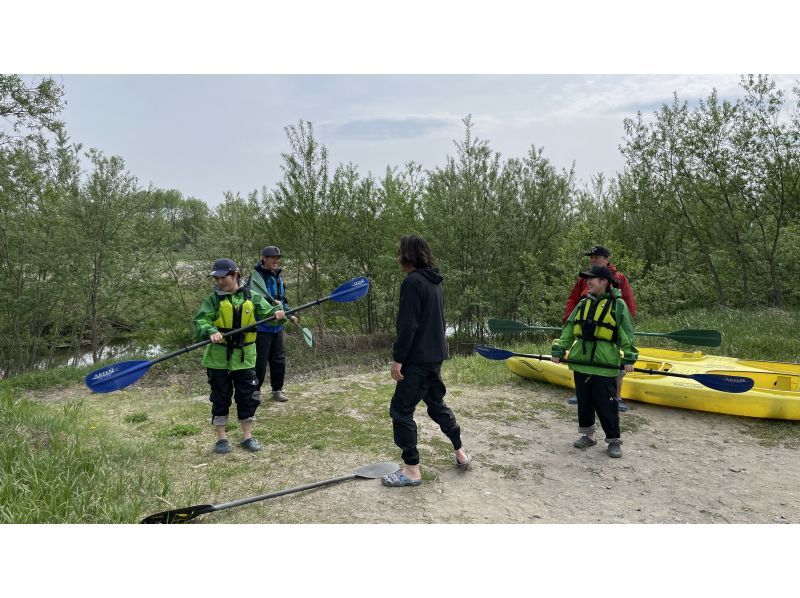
[(216, 355), (616, 352)]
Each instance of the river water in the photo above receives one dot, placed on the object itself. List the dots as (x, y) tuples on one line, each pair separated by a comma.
[(120, 351)]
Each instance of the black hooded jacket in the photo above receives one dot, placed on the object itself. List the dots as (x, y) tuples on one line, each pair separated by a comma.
[(420, 319)]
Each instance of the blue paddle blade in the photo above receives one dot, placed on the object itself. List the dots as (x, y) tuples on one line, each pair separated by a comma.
[(117, 375), (733, 384), (351, 290), (492, 352)]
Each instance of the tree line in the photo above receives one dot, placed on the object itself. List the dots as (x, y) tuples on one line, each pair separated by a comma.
[(705, 212)]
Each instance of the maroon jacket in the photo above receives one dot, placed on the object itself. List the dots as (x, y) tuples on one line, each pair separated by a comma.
[(580, 290)]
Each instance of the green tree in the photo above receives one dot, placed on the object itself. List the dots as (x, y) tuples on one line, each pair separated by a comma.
[(461, 209), (235, 230), (402, 194), (115, 250), (305, 212), (37, 182), (537, 205), (770, 154), (495, 227), (28, 108), (723, 180)]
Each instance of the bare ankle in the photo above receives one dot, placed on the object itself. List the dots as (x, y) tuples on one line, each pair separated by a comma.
[(412, 472)]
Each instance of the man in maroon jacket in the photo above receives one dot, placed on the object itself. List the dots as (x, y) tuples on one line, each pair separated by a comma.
[(601, 256)]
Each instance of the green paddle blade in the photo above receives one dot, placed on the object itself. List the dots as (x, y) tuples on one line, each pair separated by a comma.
[(308, 337), (699, 337)]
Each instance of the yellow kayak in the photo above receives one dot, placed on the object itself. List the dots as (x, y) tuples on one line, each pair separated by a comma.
[(775, 394)]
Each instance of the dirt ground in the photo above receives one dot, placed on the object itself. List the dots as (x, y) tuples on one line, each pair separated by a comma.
[(678, 466)]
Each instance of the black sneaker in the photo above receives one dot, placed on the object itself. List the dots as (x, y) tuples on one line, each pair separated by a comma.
[(252, 445), (614, 450), (583, 442), (222, 446)]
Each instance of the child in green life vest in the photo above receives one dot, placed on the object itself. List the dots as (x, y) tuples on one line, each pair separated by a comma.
[(598, 331), (230, 361)]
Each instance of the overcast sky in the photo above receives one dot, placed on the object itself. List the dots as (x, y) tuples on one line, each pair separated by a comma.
[(207, 134)]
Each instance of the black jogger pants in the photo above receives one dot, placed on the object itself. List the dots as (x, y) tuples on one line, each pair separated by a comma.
[(597, 394), (421, 382)]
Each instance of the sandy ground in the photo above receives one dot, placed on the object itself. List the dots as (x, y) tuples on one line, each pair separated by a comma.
[(678, 466)]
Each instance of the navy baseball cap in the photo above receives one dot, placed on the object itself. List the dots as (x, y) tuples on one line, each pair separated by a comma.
[(599, 272), (223, 267)]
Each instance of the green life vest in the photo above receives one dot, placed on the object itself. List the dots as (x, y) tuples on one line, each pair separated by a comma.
[(595, 320), (231, 318)]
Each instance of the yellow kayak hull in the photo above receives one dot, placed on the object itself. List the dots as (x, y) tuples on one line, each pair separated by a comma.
[(775, 394)]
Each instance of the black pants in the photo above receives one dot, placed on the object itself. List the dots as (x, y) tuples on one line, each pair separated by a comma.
[(269, 350), (421, 382), (223, 383), (597, 394)]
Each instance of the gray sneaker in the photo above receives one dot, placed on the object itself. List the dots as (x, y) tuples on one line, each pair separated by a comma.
[(572, 400), (583, 442), (252, 445), (614, 450), (222, 446), (277, 395)]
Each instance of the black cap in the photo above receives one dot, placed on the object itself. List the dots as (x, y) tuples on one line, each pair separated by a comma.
[(270, 251), (598, 250), (599, 272), (223, 267)]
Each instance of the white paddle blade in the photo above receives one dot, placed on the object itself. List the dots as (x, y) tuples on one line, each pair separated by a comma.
[(376, 470)]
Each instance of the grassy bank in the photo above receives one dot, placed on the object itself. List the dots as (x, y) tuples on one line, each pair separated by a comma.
[(62, 465), (768, 334), (70, 456)]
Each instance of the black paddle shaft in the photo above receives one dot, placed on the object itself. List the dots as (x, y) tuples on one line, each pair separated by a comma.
[(247, 501), (232, 332), (185, 514)]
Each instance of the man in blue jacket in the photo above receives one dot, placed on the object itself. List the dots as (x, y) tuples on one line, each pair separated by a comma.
[(266, 280)]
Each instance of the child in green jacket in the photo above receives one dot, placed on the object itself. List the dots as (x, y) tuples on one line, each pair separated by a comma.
[(230, 361), (599, 330)]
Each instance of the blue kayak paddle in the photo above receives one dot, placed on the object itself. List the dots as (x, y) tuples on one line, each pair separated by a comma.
[(733, 384), (122, 374)]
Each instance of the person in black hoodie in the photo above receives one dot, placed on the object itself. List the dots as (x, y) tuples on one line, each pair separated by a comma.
[(418, 353)]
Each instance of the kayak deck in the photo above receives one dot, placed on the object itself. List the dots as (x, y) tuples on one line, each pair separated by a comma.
[(775, 393)]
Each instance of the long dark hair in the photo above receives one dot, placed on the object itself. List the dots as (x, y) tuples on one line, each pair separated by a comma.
[(415, 251)]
